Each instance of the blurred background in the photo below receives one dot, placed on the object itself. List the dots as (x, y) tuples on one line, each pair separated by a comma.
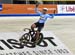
[(42, 1)]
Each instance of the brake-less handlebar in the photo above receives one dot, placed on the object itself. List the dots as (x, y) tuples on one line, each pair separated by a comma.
[(27, 29)]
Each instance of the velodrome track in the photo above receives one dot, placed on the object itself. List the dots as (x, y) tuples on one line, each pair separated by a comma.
[(63, 27)]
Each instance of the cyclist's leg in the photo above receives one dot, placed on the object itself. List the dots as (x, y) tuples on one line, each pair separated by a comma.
[(33, 26), (38, 33)]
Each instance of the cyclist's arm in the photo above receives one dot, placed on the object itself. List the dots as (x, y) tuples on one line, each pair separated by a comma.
[(36, 9), (52, 15)]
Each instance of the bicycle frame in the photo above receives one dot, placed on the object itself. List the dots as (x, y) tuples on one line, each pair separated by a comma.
[(26, 38)]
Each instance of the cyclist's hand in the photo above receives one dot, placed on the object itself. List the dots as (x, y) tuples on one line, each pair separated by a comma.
[(37, 4)]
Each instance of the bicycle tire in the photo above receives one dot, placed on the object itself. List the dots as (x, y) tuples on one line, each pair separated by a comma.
[(40, 39), (24, 37)]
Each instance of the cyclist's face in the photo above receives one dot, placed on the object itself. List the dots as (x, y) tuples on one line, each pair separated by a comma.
[(44, 11)]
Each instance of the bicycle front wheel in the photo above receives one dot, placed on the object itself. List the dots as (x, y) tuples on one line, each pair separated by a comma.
[(25, 38)]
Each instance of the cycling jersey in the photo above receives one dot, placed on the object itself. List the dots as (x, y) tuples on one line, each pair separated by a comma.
[(43, 17)]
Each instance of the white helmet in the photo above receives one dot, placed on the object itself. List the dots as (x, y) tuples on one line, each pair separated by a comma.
[(45, 9)]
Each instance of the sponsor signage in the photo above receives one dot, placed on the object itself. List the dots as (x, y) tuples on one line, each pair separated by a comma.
[(51, 45), (25, 9), (66, 9)]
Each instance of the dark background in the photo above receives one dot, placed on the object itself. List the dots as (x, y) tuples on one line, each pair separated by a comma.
[(33, 2)]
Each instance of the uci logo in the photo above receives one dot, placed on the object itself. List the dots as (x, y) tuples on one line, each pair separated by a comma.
[(13, 43)]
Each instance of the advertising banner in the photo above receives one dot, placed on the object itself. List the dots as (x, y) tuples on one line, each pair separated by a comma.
[(66, 9), (25, 8), (50, 45)]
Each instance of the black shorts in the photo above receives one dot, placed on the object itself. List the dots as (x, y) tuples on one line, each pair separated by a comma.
[(39, 26)]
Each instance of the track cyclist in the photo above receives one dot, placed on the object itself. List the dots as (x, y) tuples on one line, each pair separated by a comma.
[(40, 23)]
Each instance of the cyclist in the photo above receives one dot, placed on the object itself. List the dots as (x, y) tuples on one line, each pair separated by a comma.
[(40, 23)]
